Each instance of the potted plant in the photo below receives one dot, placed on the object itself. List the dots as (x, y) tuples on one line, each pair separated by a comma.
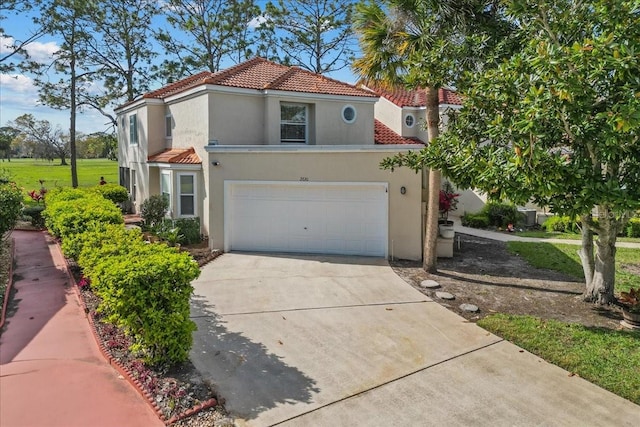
[(630, 302), (448, 202)]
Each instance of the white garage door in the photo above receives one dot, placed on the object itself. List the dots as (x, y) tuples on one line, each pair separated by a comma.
[(303, 217)]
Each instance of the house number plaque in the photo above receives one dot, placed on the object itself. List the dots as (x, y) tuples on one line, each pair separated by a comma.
[(304, 178)]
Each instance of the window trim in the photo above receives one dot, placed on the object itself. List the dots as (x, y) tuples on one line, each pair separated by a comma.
[(134, 184), (133, 129), (169, 192), (168, 126), (355, 114), (306, 123), (413, 120), (179, 176)]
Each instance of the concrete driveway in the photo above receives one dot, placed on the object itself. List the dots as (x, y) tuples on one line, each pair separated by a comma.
[(332, 341)]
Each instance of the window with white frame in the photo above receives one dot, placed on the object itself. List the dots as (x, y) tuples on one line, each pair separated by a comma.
[(187, 194), (133, 129), (165, 186), (409, 120), (134, 186), (349, 114), (293, 123), (168, 124)]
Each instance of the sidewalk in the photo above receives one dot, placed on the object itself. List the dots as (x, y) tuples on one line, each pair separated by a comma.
[(51, 371), (504, 237)]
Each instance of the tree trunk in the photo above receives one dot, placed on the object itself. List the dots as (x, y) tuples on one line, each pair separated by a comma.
[(600, 289), (63, 160), (430, 256), (72, 120), (586, 251)]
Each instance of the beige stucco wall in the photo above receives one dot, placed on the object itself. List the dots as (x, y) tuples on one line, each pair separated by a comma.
[(190, 118), (404, 210), (389, 114)]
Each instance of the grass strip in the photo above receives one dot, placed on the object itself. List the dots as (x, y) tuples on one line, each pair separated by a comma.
[(541, 234), (564, 258), (607, 358)]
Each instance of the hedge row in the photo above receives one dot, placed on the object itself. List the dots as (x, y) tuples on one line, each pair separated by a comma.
[(566, 224), (70, 210), (144, 288), (494, 214)]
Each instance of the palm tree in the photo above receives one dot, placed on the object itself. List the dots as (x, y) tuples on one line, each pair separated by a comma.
[(423, 44)]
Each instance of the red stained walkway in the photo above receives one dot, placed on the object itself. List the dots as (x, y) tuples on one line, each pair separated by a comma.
[(51, 371)]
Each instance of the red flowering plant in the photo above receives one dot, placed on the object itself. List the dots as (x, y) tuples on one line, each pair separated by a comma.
[(38, 195), (448, 200)]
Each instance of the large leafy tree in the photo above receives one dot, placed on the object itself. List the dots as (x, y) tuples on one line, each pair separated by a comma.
[(425, 45), (7, 135), (42, 138), (558, 122), (202, 34), (312, 34)]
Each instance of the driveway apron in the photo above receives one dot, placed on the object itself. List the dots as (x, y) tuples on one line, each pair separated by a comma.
[(328, 340)]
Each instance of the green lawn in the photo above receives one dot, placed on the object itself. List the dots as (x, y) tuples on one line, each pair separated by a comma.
[(607, 358), (564, 258), (565, 236), (27, 173)]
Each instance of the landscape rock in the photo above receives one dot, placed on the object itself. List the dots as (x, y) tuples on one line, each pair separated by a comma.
[(429, 284), (445, 295), (469, 307)]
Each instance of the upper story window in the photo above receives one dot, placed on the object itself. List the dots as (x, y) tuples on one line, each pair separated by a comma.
[(133, 129), (409, 120), (293, 123), (349, 114), (168, 125)]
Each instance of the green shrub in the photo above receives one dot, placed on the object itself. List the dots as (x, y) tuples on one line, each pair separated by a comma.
[(501, 214), (100, 240), (189, 229), (153, 210), (11, 205), (71, 212), (633, 227), (35, 214), (476, 220), (562, 224), (145, 289), (114, 192)]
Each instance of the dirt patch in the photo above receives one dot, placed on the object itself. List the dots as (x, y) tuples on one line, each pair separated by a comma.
[(484, 273)]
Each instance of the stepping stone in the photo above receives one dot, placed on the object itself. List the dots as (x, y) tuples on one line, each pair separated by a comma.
[(429, 284), (445, 295), (469, 307)]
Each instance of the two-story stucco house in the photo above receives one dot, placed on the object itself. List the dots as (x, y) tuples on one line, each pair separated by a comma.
[(274, 158)]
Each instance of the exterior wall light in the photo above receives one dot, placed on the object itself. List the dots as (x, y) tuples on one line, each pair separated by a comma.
[(403, 190)]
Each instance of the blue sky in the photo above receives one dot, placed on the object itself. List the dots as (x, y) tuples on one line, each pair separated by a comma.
[(18, 95)]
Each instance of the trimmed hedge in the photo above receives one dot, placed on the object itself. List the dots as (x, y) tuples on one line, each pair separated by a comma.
[(145, 289), (70, 211), (633, 228), (476, 220), (114, 192), (10, 205)]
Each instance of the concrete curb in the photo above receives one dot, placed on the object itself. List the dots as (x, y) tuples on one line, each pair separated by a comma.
[(7, 291), (126, 373)]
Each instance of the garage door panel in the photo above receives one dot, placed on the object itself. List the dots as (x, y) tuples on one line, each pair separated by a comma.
[(307, 218)]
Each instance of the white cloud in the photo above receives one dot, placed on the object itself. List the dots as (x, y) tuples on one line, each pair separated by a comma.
[(42, 52), (38, 51), (257, 21), (16, 83)]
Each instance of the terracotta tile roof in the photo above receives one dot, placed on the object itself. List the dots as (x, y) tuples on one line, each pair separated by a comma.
[(414, 98), (384, 135), (185, 156), (260, 74)]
